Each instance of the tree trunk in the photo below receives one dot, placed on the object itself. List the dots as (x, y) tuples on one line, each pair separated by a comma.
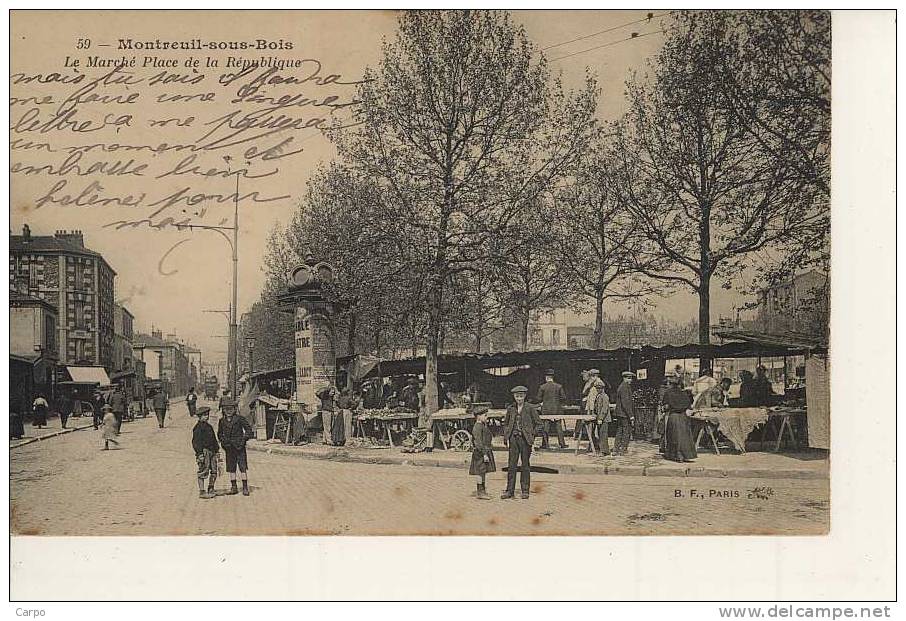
[(350, 335), (598, 334), (524, 336), (704, 310)]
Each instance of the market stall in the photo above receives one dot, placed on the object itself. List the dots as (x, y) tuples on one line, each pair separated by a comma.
[(384, 423)]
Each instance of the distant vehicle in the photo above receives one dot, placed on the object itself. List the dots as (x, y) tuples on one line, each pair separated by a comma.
[(211, 388)]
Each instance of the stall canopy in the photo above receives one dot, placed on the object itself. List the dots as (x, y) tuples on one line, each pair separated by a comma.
[(89, 375), (623, 357)]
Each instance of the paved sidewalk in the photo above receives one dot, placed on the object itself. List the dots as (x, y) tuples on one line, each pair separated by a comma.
[(52, 430), (643, 460), (147, 486)]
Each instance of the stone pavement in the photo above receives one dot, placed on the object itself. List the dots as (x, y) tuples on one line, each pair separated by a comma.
[(52, 430), (69, 486), (643, 460)]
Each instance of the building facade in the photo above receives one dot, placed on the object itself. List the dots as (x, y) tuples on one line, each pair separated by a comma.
[(548, 330), (799, 305), (164, 360), (60, 270), (33, 348), (122, 340), (193, 358)]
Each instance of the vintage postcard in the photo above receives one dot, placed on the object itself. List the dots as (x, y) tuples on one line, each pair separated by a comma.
[(420, 273)]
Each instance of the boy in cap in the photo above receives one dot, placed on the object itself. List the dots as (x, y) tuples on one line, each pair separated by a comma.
[(234, 431), (624, 413), (519, 432), (204, 443)]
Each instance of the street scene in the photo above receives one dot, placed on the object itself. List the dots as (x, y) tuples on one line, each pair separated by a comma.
[(130, 491), (478, 273)]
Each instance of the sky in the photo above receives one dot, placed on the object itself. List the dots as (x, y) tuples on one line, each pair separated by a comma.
[(168, 277)]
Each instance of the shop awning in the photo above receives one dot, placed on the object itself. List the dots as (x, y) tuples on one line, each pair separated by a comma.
[(89, 375)]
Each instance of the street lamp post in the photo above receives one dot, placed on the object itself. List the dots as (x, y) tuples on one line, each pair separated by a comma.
[(233, 349), (250, 344)]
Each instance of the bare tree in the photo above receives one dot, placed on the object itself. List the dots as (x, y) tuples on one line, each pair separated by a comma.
[(599, 248), (704, 192), (456, 128), (529, 275)]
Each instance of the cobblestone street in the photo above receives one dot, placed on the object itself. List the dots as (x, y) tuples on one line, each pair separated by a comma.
[(68, 486)]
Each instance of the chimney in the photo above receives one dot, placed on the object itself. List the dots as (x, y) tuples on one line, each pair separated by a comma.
[(156, 334), (73, 237), (26, 233)]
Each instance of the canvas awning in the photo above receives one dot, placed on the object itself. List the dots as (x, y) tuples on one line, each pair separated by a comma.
[(89, 375)]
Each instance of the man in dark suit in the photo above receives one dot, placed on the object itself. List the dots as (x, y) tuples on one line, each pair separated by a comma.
[(551, 397), (519, 431), (624, 414)]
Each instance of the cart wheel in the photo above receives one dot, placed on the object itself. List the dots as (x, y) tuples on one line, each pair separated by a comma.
[(461, 441)]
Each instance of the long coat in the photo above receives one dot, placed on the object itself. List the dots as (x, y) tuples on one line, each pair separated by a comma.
[(552, 398), (234, 433), (530, 421), (481, 448), (625, 407)]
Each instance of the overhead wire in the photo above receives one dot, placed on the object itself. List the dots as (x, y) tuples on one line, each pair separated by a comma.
[(633, 37), (647, 18)]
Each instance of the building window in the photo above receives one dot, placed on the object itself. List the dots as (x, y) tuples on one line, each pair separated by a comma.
[(305, 372), (50, 333), (305, 342), (32, 275), (80, 348), (555, 336), (78, 315)]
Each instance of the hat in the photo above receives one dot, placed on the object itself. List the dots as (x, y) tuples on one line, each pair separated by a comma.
[(594, 371), (549, 372), (203, 411), (521, 389), (106, 408), (628, 374)]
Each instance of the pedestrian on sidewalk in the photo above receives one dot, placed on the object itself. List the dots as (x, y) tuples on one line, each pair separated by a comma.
[(603, 417), (327, 396), (16, 428), (677, 443), (64, 409), (482, 455), (519, 427), (110, 427), (97, 408), (234, 431), (191, 401), (551, 397), (624, 414), (39, 412), (160, 403), (118, 403), (207, 453)]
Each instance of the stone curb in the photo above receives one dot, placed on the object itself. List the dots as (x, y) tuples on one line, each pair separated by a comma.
[(49, 435), (341, 455)]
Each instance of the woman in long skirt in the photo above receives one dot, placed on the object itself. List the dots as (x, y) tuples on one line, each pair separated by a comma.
[(677, 443), (39, 412), (482, 455)]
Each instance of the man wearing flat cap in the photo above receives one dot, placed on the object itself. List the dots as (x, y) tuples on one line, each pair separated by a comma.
[(551, 397), (624, 413), (519, 431)]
